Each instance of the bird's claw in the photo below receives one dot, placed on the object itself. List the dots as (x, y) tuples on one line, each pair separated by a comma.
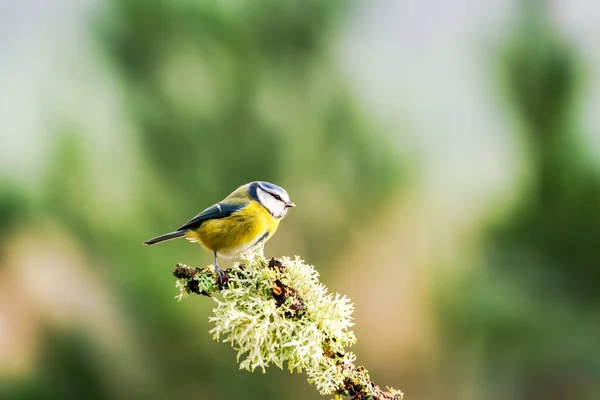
[(222, 278)]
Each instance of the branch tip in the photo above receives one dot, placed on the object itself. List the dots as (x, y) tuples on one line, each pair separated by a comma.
[(260, 313)]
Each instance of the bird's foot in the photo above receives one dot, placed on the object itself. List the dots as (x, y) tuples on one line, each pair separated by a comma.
[(222, 277)]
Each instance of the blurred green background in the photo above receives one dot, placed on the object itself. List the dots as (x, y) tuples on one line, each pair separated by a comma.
[(444, 157)]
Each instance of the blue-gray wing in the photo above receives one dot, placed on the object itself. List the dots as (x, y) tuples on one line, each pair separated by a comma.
[(217, 211)]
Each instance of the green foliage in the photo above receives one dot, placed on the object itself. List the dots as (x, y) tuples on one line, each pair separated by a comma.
[(540, 73), (14, 206), (225, 93), (530, 312), (557, 224), (67, 372)]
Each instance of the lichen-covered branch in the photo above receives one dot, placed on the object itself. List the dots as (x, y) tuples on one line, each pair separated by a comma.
[(277, 312)]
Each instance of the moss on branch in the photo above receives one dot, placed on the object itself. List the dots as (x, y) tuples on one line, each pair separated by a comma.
[(277, 312)]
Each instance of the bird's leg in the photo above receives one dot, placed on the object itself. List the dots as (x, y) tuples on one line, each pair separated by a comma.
[(220, 274)]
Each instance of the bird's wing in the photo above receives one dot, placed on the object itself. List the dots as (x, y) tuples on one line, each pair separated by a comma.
[(217, 211)]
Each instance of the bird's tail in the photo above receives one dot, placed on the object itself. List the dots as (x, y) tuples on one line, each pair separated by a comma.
[(165, 237)]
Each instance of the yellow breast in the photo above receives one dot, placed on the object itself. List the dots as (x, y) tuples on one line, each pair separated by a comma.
[(238, 232)]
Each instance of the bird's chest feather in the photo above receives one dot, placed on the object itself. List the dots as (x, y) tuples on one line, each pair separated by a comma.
[(239, 231)]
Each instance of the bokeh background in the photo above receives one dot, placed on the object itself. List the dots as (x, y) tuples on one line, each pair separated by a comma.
[(444, 157)]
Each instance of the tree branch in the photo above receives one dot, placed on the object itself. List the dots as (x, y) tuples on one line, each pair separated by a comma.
[(278, 312)]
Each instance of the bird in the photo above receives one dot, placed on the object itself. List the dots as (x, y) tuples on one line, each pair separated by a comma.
[(249, 216)]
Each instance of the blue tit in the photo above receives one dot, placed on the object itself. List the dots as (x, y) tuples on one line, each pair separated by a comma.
[(247, 217)]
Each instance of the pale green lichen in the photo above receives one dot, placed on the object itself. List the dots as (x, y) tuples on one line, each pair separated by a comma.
[(279, 313), (261, 331), (203, 280), (181, 285), (329, 375)]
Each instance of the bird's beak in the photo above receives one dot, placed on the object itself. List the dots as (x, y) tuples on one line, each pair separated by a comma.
[(290, 204)]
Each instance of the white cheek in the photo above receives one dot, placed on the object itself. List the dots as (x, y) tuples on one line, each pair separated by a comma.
[(282, 212), (276, 207)]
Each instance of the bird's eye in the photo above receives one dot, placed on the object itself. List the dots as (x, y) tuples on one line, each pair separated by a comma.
[(278, 197)]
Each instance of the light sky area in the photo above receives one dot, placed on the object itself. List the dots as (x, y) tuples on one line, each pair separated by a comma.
[(423, 70)]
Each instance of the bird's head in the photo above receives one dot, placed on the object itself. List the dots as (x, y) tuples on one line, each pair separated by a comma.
[(272, 197)]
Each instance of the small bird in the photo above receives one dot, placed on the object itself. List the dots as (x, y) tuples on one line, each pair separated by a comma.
[(247, 217)]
